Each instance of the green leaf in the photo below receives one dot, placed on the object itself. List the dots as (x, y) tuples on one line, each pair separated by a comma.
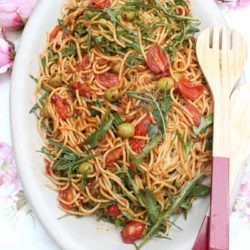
[(205, 123), (200, 190), (71, 50), (92, 140), (35, 107), (148, 199), (187, 146), (67, 160), (89, 39), (177, 203), (153, 130), (137, 160), (43, 62)]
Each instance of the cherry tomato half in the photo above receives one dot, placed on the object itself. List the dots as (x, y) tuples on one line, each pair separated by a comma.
[(141, 129), (157, 60), (99, 4), (84, 63), (107, 79), (54, 32), (188, 89), (114, 210), (66, 195), (61, 106), (84, 90), (133, 231), (196, 116), (114, 155)]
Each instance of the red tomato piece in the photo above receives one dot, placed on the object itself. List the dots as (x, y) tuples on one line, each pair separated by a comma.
[(107, 79), (188, 89), (61, 106), (54, 32), (85, 62), (133, 231), (84, 90), (137, 145), (115, 155), (141, 129), (99, 4), (157, 60), (196, 116), (66, 195), (114, 210), (47, 165)]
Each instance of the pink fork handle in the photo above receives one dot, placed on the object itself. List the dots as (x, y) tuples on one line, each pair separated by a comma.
[(201, 242), (219, 207)]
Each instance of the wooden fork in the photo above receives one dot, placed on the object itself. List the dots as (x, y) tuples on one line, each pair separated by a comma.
[(222, 56)]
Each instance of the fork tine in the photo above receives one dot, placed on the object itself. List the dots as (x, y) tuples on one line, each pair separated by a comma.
[(225, 39), (216, 38), (238, 42)]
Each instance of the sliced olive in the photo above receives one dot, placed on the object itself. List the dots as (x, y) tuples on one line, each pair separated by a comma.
[(126, 130), (55, 81), (128, 15), (116, 68), (86, 167), (165, 83), (112, 94)]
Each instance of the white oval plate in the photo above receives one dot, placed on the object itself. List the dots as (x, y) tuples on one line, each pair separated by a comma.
[(71, 232)]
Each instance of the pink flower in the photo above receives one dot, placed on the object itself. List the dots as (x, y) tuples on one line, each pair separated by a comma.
[(9, 182), (7, 54), (14, 13), (235, 4), (244, 192)]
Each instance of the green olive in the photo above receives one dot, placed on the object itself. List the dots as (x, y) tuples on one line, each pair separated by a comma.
[(55, 81), (86, 167), (126, 130), (128, 15), (116, 68), (112, 94), (165, 83)]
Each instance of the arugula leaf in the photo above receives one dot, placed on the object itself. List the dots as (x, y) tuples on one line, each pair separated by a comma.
[(137, 160), (187, 146), (205, 123), (177, 203), (153, 130), (67, 160), (148, 199), (200, 190), (160, 106), (33, 78), (92, 140), (71, 50), (43, 62), (35, 107)]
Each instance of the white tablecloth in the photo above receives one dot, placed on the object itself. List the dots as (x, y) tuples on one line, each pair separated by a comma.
[(19, 227)]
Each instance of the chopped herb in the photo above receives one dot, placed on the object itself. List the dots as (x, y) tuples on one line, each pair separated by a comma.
[(35, 107), (92, 140), (43, 62), (205, 123), (67, 160), (148, 199)]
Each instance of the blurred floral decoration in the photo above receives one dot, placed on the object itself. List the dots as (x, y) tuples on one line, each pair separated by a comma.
[(235, 4), (13, 16)]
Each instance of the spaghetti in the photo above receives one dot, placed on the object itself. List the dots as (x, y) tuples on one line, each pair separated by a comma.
[(125, 113)]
